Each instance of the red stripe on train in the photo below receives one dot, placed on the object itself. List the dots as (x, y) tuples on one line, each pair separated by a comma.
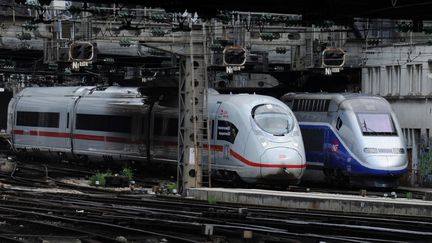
[(251, 163), (18, 132), (77, 136), (218, 148), (89, 137), (54, 134)]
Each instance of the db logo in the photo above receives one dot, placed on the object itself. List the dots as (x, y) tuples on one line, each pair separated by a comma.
[(223, 113)]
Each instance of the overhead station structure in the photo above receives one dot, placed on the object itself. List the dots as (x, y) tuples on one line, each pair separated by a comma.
[(109, 44)]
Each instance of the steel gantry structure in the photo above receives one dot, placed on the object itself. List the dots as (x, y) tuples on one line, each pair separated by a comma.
[(190, 47)]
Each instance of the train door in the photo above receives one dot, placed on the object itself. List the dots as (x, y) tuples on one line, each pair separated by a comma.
[(70, 118)]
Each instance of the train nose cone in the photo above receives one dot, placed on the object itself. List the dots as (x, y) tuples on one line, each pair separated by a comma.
[(282, 162), (383, 161), (388, 164)]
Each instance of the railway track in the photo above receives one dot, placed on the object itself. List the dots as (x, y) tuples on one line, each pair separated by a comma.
[(105, 217), (45, 175), (100, 215), (408, 193), (48, 174)]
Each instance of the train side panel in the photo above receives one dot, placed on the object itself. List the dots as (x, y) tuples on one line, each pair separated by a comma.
[(164, 134), (230, 132), (42, 124), (107, 131)]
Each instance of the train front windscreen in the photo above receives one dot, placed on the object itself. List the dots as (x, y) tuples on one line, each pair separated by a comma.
[(376, 124), (273, 119)]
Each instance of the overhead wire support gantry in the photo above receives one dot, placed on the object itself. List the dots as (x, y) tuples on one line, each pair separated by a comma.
[(193, 137)]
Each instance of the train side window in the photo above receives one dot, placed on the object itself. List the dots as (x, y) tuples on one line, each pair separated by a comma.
[(144, 124), (338, 123), (320, 105), (326, 105), (104, 123), (302, 103), (295, 106), (38, 119), (172, 127), (158, 126)]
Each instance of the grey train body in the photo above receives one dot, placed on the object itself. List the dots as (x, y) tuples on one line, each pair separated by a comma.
[(256, 138), (350, 138)]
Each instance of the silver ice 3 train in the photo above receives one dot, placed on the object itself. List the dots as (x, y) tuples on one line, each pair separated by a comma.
[(254, 138), (350, 138)]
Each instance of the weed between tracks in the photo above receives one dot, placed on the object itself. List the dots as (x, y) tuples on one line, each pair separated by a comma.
[(99, 179), (128, 172)]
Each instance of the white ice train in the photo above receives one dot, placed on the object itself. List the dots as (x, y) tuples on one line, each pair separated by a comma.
[(350, 138), (253, 137)]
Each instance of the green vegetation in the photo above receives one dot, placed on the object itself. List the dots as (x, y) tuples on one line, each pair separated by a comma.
[(171, 186), (211, 200), (128, 172), (409, 195), (99, 178), (425, 167)]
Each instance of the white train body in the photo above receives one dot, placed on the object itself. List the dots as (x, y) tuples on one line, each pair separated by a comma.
[(254, 137), (350, 138)]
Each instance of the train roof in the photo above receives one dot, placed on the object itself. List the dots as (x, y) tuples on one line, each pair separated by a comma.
[(328, 102), (336, 97), (240, 100), (89, 91), (243, 100)]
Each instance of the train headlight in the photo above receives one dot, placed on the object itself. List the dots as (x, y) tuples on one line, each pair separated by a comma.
[(370, 150), (398, 151)]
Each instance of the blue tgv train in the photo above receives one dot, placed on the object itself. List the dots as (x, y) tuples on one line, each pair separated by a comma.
[(349, 139)]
